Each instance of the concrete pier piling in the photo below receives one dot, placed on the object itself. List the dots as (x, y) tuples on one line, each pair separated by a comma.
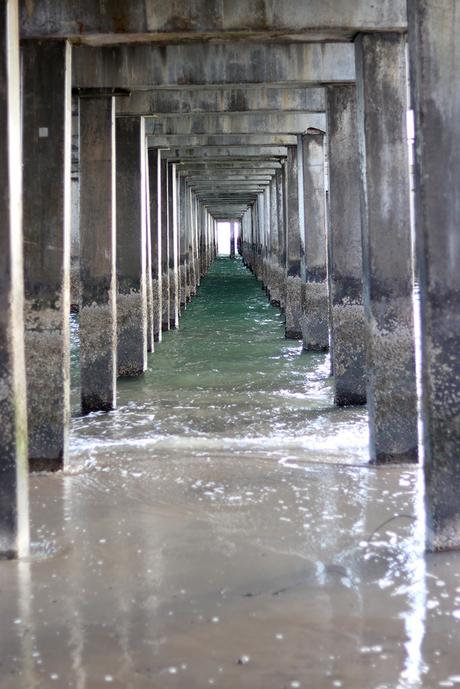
[(275, 275), (183, 243), (154, 163), (387, 261), (173, 258), (131, 246), (165, 245), (98, 307), (149, 256), (315, 311), (280, 176), (345, 263), (293, 282), (435, 63), (47, 132), (14, 507)]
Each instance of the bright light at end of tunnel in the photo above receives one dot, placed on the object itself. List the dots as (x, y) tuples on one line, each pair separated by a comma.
[(223, 238)]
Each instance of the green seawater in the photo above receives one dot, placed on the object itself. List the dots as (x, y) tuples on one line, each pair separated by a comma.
[(228, 380)]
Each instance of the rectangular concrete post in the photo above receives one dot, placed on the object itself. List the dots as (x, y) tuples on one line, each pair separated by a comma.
[(345, 262), (173, 248), (131, 246), (387, 261), (47, 141), (164, 185), (434, 29), (274, 258), (183, 243), (293, 292), (280, 176), (191, 255), (154, 162), (266, 245), (98, 307), (14, 507), (149, 256), (315, 310)]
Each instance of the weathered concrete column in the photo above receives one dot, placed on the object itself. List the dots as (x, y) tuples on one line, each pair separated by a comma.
[(382, 136), (47, 132), (164, 184), (315, 310), (434, 29), (232, 239), (345, 262), (131, 246), (149, 256), (196, 239), (191, 280), (280, 176), (14, 508), (293, 305), (173, 248), (183, 243), (266, 244), (274, 257), (98, 307), (154, 163)]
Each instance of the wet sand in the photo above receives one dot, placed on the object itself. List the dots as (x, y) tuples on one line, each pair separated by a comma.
[(223, 528)]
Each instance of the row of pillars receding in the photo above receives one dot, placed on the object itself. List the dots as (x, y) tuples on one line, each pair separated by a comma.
[(336, 255)]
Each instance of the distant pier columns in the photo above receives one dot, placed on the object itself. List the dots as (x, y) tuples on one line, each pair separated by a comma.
[(387, 260), (131, 246), (47, 124)]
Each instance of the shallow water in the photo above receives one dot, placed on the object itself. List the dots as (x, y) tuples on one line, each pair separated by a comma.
[(222, 528)]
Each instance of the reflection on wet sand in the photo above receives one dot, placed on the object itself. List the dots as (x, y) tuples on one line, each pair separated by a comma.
[(222, 528)]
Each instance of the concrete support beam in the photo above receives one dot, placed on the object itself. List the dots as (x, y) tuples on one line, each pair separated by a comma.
[(47, 131), (435, 65), (154, 164), (205, 140), (221, 124), (131, 246), (14, 507), (345, 264), (315, 309), (98, 314), (207, 64), (293, 291), (250, 153), (101, 22), (387, 262), (180, 102)]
